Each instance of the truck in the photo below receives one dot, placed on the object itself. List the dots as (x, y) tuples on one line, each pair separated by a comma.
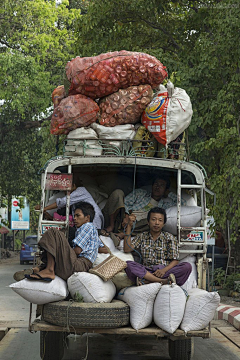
[(125, 165)]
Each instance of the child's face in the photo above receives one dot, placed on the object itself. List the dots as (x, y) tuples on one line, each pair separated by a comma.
[(80, 219)]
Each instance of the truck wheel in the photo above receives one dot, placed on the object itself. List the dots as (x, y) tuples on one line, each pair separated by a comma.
[(21, 262), (89, 315), (181, 349), (52, 345)]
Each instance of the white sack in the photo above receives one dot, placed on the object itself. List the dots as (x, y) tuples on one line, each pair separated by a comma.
[(41, 292), (190, 216), (82, 133), (169, 308), (193, 277), (140, 300), (122, 132), (109, 243), (200, 309), (168, 114), (80, 148), (92, 288)]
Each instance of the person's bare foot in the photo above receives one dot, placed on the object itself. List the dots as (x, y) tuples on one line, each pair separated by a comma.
[(109, 229), (44, 274)]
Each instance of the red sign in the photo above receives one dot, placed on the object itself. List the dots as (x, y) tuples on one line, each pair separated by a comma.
[(58, 182), (15, 203)]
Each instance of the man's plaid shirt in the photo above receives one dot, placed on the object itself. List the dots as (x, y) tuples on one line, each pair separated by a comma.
[(140, 198), (161, 251)]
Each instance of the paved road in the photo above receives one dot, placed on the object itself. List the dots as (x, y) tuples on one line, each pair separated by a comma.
[(19, 344)]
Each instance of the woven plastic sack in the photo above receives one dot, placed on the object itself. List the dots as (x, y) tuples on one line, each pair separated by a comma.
[(168, 114), (200, 309), (140, 300), (105, 74), (58, 94), (169, 308), (73, 112), (125, 106)]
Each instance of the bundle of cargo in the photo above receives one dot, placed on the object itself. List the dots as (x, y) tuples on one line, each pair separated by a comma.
[(125, 106), (57, 95), (168, 114), (101, 75), (73, 112)]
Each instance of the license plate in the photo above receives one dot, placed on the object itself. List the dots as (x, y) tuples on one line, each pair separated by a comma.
[(33, 253)]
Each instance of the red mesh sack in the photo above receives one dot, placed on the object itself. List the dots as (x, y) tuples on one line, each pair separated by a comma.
[(57, 95), (125, 106), (101, 75), (73, 112)]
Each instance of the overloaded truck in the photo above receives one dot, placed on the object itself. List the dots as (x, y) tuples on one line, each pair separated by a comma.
[(119, 135), (125, 170)]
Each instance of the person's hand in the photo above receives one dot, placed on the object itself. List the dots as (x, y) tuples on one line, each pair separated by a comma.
[(132, 219), (103, 250), (37, 207), (160, 273), (125, 220)]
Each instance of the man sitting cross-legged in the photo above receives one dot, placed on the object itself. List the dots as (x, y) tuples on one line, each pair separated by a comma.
[(159, 252), (58, 256)]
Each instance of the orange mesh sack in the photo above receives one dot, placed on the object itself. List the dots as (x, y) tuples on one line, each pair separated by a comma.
[(57, 95), (168, 114), (125, 106), (101, 75), (73, 112)]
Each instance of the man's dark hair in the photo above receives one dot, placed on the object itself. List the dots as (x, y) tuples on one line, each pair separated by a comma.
[(162, 177), (87, 209), (157, 210)]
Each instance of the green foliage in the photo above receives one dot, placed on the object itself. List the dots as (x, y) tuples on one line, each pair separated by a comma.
[(195, 40), (36, 39), (78, 297)]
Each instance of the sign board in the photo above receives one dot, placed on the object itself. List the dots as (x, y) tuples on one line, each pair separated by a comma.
[(58, 182), (195, 236), (46, 227), (210, 234), (20, 216)]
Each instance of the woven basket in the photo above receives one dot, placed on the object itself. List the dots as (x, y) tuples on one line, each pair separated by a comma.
[(109, 267)]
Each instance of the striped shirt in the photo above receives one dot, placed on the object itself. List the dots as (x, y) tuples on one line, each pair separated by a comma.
[(87, 239), (159, 252)]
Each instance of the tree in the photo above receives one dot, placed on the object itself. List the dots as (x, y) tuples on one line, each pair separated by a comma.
[(36, 39), (196, 40)]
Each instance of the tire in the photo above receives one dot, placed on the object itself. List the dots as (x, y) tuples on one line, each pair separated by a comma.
[(181, 349), (21, 262), (52, 345), (89, 315)]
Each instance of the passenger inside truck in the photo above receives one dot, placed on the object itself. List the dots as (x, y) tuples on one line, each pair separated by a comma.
[(139, 201), (78, 193)]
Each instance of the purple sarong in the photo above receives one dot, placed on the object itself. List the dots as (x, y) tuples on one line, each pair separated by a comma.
[(181, 271)]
